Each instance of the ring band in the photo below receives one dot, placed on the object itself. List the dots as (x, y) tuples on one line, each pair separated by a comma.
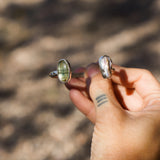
[(54, 74), (64, 73), (78, 75)]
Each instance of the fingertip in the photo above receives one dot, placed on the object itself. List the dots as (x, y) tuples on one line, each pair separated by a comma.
[(79, 97), (74, 93), (83, 104), (79, 69), (92, 70), (76, 83)]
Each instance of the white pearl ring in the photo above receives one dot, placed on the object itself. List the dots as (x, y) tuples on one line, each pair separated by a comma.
[(64, 73)]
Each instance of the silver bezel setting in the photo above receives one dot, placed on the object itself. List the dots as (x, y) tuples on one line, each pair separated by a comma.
[(69, 69), (105, 67)]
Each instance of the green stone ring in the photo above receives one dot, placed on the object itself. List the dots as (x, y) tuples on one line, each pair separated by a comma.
[(64, 72)]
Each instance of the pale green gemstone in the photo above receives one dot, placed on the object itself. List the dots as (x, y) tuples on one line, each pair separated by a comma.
[(63, 69)]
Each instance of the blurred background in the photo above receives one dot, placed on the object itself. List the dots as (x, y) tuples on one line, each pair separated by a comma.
[(37, 118)]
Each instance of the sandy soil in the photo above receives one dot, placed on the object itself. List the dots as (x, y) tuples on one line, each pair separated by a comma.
[(37, 118)]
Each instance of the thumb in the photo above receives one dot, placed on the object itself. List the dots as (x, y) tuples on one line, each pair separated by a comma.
[(102, 94)]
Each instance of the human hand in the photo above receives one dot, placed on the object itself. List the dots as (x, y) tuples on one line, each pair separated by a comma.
[(125, 110)]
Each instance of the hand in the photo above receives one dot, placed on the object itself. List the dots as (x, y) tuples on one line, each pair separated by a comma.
[(125, 111)]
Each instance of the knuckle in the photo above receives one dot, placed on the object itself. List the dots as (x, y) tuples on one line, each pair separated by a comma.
[(146, 72)]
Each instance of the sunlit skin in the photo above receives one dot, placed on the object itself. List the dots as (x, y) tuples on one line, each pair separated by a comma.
[(124, 109)]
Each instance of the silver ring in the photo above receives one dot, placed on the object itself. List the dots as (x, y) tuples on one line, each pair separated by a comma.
[(64, 72), (105, 65)]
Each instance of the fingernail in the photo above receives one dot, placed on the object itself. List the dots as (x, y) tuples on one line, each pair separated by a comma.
[(92, 70)]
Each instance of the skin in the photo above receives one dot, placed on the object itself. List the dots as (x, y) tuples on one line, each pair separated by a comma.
[(125, 110)]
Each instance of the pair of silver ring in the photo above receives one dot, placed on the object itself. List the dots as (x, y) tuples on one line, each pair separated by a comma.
[(64, 73)]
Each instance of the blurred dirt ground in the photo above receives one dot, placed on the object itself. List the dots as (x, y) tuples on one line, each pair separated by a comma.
[(37, 119)]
